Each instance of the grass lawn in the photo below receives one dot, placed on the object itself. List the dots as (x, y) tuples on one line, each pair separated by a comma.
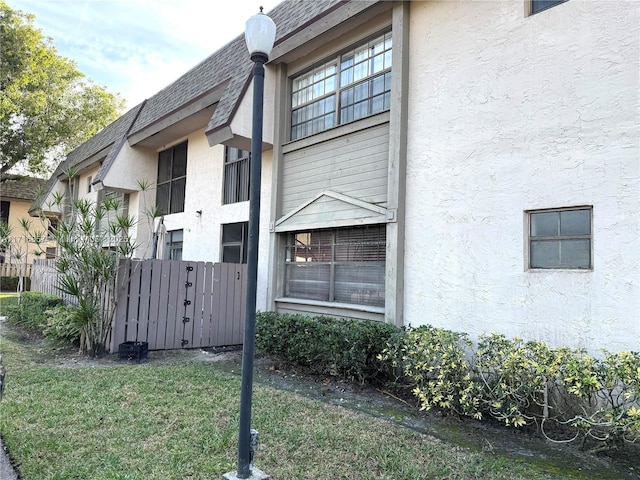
[(179, 421)]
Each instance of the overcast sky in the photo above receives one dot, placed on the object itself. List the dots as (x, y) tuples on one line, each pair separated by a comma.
[(137, 47)]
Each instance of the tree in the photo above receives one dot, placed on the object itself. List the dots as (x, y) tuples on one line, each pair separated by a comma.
[(47, 106), (92, 241)]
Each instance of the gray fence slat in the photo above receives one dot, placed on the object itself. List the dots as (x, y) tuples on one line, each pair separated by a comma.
[(163, 305), (190, 309), (134, 300), (154, 302), (145, 298), (198, 320)]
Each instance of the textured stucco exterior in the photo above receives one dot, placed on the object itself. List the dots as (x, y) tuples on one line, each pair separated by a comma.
[(203, 232), (510, 113)]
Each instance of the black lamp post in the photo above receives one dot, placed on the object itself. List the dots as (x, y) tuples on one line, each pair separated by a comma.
[(260, 33)]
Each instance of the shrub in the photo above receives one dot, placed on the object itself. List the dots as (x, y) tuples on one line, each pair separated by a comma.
[(434, 360), (63, 324), (10, 284), (329, 346), (30, 312)]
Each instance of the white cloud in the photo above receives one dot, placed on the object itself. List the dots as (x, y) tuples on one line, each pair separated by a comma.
[(137, 47)]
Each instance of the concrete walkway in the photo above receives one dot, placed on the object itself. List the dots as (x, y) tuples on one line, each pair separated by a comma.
[(6, 469)]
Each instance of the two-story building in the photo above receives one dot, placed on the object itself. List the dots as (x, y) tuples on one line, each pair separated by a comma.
[(472, 165)]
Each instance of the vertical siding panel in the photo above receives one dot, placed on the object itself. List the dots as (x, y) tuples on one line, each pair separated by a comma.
[(198, 320), (134, 299), (237, 318), (154, 302), (173, 303), (216, 311), (243, 303), (123, 284), (190, 310), (223, 314), (164, 303), (229, 299), (206, 304), (181, 277), (145, 296)]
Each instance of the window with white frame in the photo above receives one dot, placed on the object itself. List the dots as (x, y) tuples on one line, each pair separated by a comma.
[(349, 87), (560, 238), (172, 179), (344, 265), (236, 175), (234, 242)]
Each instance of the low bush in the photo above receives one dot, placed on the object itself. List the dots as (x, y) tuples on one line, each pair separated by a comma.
[(330, 346), (30, 312), (519, 383), (10, 284), (63, 324)]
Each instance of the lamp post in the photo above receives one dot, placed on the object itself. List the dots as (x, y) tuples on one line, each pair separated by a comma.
[(260, 33)]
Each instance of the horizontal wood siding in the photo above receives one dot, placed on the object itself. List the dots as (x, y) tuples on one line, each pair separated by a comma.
[(354, 165)]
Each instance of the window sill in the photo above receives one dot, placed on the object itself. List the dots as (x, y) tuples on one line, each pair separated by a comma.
[(339, 131), (331, 306), (548, 270)]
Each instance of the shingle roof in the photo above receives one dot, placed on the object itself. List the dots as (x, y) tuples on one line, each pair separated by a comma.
[(20, 187), (231, 62), (106, 137)]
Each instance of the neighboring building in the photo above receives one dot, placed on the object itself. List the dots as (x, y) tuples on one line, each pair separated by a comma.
[(17, 192), (472, 165)]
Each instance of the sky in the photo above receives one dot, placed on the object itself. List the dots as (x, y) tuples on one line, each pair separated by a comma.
[(137, 47)]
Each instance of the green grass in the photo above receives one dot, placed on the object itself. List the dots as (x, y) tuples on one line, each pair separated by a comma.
[(180, 422), (7, 299)]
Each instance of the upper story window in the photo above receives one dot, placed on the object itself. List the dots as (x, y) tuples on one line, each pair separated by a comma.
[(540, 5), (236, 175), (172, 179), (344, 89), (560, 238)]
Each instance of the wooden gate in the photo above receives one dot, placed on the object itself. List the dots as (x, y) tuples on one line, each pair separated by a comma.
[(175, 304)]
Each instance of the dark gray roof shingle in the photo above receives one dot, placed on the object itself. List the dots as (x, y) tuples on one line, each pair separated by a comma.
[(21, 187), (231, 62)]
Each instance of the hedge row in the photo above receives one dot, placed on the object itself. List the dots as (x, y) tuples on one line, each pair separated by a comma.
[(510, 380), (31, 312), (330, 346)]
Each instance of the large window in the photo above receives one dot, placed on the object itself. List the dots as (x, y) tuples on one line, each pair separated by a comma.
[(345, 265), (236, 175), (172, 179), (234, 242), (347, 88), (560, 238)]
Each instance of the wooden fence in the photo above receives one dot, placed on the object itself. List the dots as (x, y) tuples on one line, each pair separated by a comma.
[(46, 279), (15, 270), (177, 304), (169, 304)]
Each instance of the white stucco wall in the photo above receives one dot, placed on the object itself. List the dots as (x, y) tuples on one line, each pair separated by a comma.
[(202, 233), (509, 113)]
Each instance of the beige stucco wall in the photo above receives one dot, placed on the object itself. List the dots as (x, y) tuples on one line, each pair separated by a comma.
[(509, 113), (23, 250)]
